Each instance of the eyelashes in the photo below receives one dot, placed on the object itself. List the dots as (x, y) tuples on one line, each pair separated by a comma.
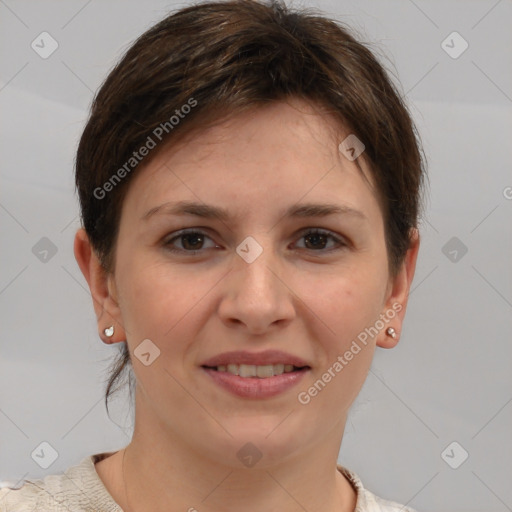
[(194, 237)]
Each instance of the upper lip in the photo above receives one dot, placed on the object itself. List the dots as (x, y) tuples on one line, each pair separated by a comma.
[(256, 358)]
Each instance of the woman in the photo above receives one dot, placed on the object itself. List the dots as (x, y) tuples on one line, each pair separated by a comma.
[(249, 182)]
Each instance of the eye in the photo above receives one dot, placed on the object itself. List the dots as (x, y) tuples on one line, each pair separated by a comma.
[(316, 239), (192, 241)]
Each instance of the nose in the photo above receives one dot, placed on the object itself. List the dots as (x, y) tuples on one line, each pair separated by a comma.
[(255, 295)]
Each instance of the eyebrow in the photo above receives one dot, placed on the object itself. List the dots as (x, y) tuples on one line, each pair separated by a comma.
[(209, 211)]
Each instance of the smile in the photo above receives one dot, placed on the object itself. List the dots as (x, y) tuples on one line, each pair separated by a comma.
[(255, 381), (259, 371)]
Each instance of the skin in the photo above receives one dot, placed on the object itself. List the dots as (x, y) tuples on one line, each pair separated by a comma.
[(307, 301)]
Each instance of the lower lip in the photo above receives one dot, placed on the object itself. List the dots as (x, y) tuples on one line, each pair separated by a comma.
[(254, 387)]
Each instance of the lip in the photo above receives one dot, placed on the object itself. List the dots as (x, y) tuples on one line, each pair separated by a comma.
[(254, 387), (256, 358)]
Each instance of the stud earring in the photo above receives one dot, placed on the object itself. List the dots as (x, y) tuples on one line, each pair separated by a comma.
[(391, 332), (109, 331)]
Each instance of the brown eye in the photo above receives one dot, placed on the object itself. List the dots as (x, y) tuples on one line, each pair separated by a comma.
[(317, 240), (191, 241)]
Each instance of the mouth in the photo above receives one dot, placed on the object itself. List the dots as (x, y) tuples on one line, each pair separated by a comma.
[(255, 375), (252, 375), (257, 371)]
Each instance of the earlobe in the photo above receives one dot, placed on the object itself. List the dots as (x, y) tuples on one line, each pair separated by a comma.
[(104, 299), (396, 303), (391, 335)]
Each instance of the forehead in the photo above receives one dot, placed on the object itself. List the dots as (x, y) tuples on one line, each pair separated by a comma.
[(269, 156)]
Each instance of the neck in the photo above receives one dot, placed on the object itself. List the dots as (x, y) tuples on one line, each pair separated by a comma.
[(160, 469)]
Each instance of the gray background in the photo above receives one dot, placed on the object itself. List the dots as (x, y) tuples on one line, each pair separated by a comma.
[(448, 380)]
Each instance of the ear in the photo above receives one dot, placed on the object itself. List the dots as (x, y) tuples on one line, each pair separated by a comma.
[(398, 294), (102, 287)]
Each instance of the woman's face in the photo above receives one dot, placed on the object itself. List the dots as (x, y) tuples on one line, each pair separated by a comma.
[(256, 281)]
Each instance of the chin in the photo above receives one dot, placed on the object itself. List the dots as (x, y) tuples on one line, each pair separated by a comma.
[(257, 442)]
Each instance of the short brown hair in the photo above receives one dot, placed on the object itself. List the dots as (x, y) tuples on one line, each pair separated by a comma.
[(221, 58)]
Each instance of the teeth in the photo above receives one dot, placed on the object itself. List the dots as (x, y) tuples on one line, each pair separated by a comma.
[(278, 369), (247, 370), (252, 370), (264, 371), (232, 368)]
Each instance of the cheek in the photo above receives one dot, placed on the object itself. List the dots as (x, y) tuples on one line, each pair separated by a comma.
[(345, 304), (345, 309), (159, 301)]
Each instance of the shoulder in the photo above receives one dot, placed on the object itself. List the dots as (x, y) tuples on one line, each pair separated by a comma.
[(17, 499), (41, 494), (79, 488), (369, 502)]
